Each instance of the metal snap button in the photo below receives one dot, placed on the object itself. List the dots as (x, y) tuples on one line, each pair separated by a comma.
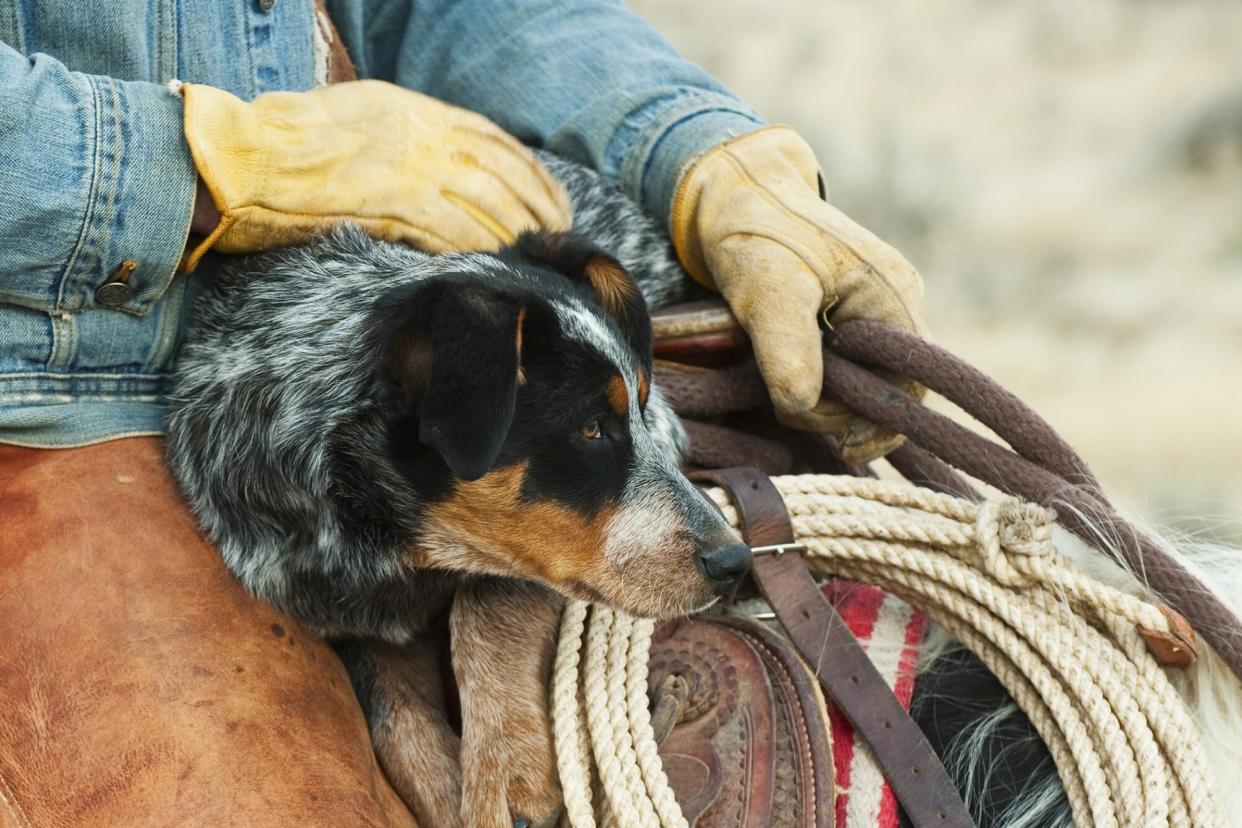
[(112, 294), (117, 290)]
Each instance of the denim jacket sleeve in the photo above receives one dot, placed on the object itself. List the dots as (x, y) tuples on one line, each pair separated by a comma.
[(587, 79), (93, 172)]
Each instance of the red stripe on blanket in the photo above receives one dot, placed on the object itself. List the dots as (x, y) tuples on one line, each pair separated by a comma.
[(864, 799), (858, 606), (915, 630)]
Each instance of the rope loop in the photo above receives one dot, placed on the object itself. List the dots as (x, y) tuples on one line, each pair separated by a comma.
[(1014, 540)]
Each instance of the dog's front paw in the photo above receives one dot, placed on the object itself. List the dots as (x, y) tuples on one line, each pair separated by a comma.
[(533, 787), (508, 767), (503, 638), (508, 772), (547, 822), (402, 691)]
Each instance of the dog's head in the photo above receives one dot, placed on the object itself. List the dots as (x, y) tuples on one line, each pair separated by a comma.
[(530, 435)]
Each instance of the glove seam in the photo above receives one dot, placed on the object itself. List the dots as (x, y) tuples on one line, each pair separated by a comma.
[(338, 217), (686, 182), (531, 162), (189, 262), (820, 232)]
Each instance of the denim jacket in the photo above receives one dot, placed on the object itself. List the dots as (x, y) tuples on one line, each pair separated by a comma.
[(95, 171)]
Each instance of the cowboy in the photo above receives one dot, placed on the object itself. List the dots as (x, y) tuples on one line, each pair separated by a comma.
[(127, 692)]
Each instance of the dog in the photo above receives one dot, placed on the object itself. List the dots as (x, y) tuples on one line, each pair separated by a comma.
[(381, 441)]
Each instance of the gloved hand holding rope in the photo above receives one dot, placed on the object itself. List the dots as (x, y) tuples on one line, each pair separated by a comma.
[(751, 218)]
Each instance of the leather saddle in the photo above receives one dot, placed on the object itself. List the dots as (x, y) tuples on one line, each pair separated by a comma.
[(742, 727), (741, 715)]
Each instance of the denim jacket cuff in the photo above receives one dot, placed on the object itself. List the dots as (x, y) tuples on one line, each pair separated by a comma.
[(670, 136), (142, 198)]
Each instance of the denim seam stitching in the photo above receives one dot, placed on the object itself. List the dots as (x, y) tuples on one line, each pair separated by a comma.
[(84, 230), (82, 375), (250, 48), (112, 181), (92, 441), (11, 28), (649, 146), (143, 302), (663, 121), (64, 340), (167, 325), (166, 48)]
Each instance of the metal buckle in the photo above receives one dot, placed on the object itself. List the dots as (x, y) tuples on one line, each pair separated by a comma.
[(778, 548)]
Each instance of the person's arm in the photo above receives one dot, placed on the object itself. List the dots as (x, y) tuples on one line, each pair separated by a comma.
[(744, 204), (94, 172), (586, 79), (100, 178)]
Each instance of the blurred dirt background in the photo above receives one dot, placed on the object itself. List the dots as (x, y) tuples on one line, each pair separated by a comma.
[(1068, 178)]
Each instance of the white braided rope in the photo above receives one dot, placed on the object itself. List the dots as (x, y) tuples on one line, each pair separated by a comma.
[(666, 807), (569, 732), (619, 715), (608, 710), (1065, 646)]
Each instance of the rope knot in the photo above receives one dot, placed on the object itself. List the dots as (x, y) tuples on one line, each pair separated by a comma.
[(1012, 534)]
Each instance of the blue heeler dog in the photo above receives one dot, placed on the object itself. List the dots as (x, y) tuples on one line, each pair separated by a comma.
[(382, 442)]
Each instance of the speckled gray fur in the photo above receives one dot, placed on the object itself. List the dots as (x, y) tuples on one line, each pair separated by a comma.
[(276, 439)]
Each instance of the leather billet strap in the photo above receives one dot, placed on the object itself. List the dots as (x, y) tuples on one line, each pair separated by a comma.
[(919, 780)]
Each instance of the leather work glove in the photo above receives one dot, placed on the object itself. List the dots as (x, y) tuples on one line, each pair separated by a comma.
[(748, 220), (403, 166)]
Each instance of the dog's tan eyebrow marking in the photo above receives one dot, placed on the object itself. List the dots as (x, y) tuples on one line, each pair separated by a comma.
[(618, 396), (644, 388), (612, 285), (521, 323)]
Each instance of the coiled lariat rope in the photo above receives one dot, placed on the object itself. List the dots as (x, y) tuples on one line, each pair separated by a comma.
[(1038, 465), (1067, 648), (602, 725)]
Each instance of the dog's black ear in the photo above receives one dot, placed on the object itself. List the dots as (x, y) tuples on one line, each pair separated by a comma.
[(455, 358), (614, 288)]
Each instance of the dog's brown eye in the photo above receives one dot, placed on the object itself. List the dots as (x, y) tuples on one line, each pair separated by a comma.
[(591, 430)]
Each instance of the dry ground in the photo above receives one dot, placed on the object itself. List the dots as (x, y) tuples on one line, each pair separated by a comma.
[(1067, 176)]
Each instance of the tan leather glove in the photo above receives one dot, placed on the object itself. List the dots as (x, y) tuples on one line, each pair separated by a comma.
[(749, 221), (403, 166)]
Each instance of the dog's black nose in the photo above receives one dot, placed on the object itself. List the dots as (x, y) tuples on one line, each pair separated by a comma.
[(725, 565)]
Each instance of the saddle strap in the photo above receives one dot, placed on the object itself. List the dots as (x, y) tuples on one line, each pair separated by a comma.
[(919, 780)]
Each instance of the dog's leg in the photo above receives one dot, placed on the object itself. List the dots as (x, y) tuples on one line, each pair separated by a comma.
[(504, 638), (402, 691)]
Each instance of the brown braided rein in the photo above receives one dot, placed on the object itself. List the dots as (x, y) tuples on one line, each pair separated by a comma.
[(1037, 465)]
